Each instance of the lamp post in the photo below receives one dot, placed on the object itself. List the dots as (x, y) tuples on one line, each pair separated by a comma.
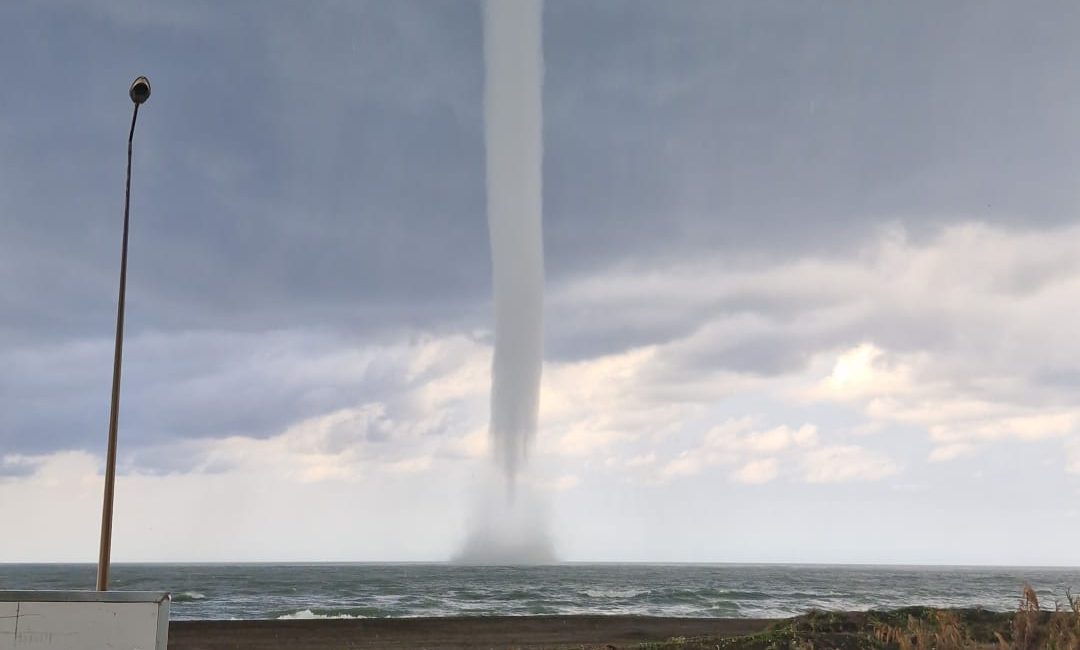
[(139, 93)]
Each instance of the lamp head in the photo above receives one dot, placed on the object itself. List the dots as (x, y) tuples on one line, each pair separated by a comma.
[(140, 90)]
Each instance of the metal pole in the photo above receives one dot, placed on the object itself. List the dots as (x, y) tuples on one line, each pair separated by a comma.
[(139, 94)]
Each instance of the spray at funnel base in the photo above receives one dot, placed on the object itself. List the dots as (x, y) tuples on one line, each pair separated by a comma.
[(507, 532)]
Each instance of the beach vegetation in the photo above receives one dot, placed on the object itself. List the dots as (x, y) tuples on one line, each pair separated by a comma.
[(1030, 627)]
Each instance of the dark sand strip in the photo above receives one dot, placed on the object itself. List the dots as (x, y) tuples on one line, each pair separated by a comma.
[(464, 633)]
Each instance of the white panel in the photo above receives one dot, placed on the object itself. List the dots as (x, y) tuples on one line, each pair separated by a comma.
[(82, 620), (64, 626), (7, 625)]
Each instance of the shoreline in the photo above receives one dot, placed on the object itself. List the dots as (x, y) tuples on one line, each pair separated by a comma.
[(914, 626), (453, 632)]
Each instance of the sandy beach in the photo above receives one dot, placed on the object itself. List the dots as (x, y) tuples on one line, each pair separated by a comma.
[(450, 632)]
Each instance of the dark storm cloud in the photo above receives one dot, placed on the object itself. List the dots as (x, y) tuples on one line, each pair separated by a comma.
[(314, 165), (321, 166), (781, 127), (292, 166)]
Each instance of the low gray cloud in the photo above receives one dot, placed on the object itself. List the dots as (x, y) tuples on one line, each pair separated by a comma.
[(202, 384)]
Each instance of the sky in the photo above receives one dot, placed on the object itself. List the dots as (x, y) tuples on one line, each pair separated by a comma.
[(811, 270)]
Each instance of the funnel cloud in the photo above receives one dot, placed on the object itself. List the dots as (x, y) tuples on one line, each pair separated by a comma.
[(510, 528), (513, 135)]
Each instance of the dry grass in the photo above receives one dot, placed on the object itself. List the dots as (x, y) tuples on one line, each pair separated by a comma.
[(941, 630), (913, 628), (1032, 628)]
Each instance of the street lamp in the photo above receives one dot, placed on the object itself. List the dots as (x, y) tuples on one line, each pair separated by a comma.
[(139, 93)]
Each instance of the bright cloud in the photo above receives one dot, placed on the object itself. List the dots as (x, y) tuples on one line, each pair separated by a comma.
[(843, 463), (959, 335), (762, 455), (757, 471), (950, 451)]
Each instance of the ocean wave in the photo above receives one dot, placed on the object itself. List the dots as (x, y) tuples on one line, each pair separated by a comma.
[(616, 593), (255, 592), (743, 594), (727, 607)]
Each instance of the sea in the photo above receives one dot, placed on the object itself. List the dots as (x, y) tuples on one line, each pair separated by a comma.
[(313, 591)]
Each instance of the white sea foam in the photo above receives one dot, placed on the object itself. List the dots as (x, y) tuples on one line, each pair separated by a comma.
[(307, 614)]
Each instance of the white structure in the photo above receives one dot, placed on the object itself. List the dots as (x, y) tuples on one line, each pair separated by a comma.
[(80, 620)]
